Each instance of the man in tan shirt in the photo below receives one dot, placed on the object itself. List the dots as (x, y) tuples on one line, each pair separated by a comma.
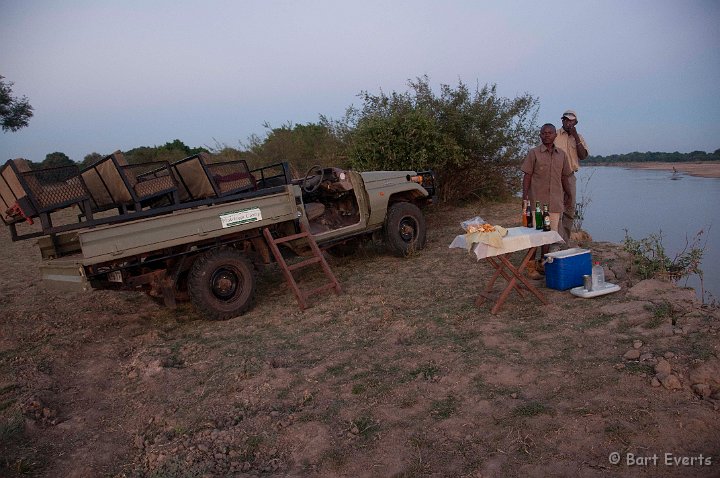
[(576, 149), (546, 179)]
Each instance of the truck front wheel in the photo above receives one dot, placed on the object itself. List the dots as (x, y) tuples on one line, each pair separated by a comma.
[(221, 284), (405, 228)]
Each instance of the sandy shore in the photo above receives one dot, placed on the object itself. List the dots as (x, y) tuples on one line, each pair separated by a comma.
[(701, 169)]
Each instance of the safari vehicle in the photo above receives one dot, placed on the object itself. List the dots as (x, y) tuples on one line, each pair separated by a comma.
[(209, 231)]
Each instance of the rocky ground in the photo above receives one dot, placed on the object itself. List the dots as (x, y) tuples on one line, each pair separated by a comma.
[(401, 375)]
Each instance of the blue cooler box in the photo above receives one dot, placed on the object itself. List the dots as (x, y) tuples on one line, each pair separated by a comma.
[(565, 269)]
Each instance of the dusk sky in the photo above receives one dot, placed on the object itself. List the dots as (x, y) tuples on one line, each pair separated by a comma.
[(107, 75)]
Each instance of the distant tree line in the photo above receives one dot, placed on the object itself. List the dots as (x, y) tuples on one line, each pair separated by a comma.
[(472, 138), (656, 157), (171, 151)]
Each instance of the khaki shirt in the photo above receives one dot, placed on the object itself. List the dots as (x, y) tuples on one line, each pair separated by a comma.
[(568, 144), (546, 168)]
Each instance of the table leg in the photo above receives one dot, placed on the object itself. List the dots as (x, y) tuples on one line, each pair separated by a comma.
[(515, 278), (505, 275), (521, 277), (499, 271)]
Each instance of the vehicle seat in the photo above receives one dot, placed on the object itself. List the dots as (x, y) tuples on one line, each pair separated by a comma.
[(314, 210)]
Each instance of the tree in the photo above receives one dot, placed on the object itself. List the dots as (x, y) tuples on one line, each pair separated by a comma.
[(473, 140), (301, 145), (89, 159), (57, 159), (170, 152), (14, 112)]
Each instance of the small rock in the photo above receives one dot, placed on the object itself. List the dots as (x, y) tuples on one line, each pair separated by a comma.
[(274, 413), (671, 382), (655, 382), (663, 367), (354, 430), (702, 389), (637, 344), (632, 354), (513, 395), (668, 355), (619, 366), (646, 356)]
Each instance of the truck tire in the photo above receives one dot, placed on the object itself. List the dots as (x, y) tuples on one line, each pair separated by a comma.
[(405, 229), (221, 284)]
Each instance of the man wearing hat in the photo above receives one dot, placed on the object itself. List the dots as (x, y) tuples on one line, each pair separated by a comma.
[(575, 148)]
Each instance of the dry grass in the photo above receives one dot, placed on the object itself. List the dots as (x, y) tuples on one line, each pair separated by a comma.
[(399, 376)]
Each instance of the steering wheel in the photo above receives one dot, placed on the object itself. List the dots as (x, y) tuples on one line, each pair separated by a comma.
[(311, 182)]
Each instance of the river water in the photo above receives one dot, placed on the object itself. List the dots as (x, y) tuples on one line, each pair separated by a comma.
[(646, 202)]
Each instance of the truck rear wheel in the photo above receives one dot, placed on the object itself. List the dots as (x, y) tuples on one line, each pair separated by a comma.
[(221, 284), (405, 230)]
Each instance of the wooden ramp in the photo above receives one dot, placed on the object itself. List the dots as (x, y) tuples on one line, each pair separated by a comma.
[(317, 258)]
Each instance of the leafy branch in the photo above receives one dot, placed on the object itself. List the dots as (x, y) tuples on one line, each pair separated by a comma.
[(651, 260)]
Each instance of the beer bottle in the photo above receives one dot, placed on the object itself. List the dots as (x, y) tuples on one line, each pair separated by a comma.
[(538, 216), (523, 215), (546, 218), (528, 215)]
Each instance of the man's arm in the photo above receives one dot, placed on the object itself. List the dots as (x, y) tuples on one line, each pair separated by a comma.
[(527, 180), (566, 191), (582, 151)]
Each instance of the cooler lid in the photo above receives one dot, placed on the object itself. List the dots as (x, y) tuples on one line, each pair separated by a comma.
[(575, 251)]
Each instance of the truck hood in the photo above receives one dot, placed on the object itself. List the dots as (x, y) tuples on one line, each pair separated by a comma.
[(394, 176)]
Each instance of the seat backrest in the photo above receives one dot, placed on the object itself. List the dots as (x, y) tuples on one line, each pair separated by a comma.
[(105, 182), (10, 188), (232, 177), (193, 182)]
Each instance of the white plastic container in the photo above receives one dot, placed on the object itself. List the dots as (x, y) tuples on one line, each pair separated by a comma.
[(607, 288), (598, 277)]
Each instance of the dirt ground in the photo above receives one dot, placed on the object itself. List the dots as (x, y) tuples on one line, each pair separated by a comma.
[(401, 375)]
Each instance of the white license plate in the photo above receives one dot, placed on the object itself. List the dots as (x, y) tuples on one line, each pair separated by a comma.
[(115, 276)]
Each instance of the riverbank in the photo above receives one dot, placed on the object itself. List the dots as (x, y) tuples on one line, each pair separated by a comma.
[(703, 169)]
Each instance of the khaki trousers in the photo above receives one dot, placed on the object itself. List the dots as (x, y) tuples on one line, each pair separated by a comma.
[(569, 214)]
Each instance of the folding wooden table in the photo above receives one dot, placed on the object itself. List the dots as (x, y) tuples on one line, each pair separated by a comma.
[(517, 239)]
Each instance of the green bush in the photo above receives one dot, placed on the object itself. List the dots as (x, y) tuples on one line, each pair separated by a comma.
[(473, 140), (650, 259)]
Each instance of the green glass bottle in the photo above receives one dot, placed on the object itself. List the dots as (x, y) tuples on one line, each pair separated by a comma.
[(546, 218), (538, 216)]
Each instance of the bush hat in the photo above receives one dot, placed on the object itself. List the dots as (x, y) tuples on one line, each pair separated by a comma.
[(570, 114)]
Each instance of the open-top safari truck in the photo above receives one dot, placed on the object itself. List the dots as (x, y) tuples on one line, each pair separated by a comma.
[(201, 229)]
